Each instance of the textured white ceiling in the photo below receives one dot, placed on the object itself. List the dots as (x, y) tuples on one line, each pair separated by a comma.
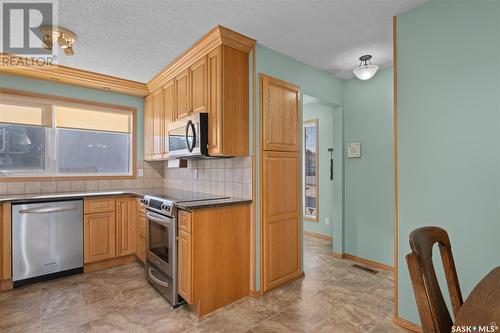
[(134, 39)]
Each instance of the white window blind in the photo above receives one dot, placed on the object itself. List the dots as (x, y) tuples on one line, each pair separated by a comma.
[(95, 120), (27, 113)]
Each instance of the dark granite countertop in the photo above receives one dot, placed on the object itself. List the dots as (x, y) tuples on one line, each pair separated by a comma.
[(205, 200), (212, 203)]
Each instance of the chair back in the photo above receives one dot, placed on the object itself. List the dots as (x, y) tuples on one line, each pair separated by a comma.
[(432, 309)]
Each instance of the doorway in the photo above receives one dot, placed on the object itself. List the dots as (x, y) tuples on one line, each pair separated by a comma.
[(322, 178)]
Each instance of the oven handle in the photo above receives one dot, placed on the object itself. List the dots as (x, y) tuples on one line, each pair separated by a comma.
[(156, 280), (162, 221)]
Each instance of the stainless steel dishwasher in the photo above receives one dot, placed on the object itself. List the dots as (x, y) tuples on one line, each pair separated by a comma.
[(47, 240)]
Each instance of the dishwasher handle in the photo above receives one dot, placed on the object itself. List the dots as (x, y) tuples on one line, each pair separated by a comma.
[(43, 210)]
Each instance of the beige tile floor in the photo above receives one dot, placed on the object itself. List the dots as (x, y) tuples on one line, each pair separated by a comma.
[(333, 297)]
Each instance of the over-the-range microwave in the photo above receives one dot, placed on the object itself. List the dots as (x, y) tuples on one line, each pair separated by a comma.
[(188, 137)]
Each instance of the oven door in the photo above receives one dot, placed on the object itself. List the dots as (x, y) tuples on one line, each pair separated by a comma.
[(160, 242)]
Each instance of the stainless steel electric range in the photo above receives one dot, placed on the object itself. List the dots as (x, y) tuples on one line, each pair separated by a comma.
[(161, 238)]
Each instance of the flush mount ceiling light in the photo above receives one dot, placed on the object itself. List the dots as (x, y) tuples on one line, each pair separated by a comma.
[(64, 37), (365, 70)]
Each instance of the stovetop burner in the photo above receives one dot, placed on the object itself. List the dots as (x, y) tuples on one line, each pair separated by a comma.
[(163, 200)]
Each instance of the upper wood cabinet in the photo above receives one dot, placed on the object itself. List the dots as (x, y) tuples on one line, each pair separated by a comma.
[(158, 124), (169, 103), (212, 76), (125, 226), (281, 124), (199, 85), (148, 128), (182, 95), (215, 102)]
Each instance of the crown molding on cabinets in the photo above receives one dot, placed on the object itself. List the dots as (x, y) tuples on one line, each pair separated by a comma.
[(217, 36), (74, 76)]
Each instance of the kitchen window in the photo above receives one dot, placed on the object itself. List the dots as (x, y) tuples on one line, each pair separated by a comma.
[(311, 193), (52, 137)]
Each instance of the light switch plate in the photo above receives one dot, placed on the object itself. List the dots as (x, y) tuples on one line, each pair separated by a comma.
[(140, 172), (354, 150)]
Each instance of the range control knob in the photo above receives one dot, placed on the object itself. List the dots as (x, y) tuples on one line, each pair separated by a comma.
[(144, 201), (165, 207)]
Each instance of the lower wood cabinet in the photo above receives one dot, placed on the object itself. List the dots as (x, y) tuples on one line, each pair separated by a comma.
[(184, 269), (140, 250), (125, 226), (113, 229), (99, 237), (214, 257)]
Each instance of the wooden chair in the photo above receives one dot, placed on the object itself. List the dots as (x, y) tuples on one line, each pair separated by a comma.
[(432, 309)]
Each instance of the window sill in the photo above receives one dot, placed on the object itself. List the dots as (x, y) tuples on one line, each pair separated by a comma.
[(10, 179)]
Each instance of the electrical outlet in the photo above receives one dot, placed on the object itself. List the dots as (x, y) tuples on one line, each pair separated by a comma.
[(140, 172), (195, 175), (327, 220)]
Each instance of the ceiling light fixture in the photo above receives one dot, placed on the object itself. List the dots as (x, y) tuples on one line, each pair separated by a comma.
[(64, 37), (365, 70)]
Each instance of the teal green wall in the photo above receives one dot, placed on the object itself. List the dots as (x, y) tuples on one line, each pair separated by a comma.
[(329, 119), (313, 83), (369, 180), (70, 91), (449, 134)]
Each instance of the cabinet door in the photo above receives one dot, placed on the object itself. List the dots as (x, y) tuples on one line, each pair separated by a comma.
[(125, 226), (169, 100), (281, 214), (99, 237), (158, 124), (182, 99), (185, 264), (280, 115), (199, 85), (148, 128), (215, 102)]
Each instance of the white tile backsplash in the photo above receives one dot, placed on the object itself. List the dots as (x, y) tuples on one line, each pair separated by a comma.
[(153, 178), (225, 176)]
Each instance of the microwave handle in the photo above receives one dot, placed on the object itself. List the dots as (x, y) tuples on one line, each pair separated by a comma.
[(189, 125)]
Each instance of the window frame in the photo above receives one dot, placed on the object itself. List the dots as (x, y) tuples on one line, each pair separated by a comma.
[(309, 123), (54, 101)]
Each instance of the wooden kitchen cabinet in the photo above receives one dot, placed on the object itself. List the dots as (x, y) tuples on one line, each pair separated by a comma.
[(199, 86), (158, 124), (125, 226), (182, 100), (281, 217), (169, 104), (148, 128), (281, 122), (280, 199), (212, 76), (185, 263), (98, 205), (228, 102), (99, 237), (214, 252), (140, 235)]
